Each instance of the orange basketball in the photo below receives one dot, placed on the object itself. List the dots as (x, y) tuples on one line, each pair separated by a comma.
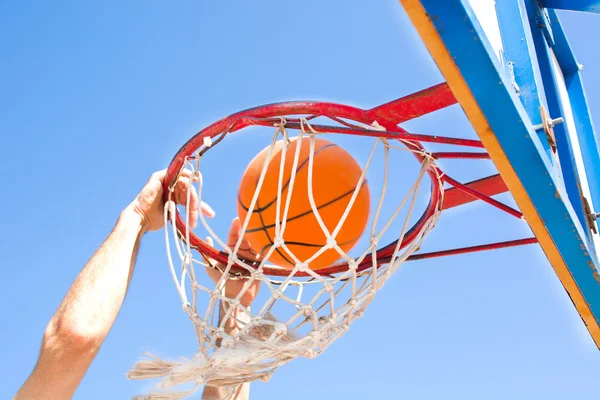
[(335, 176)]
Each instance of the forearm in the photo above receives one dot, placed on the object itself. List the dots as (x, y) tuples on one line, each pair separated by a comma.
[(86, 315), (242, 392), (91, 306)]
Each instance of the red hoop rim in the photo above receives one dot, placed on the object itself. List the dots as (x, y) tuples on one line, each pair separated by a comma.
[(242, 119)]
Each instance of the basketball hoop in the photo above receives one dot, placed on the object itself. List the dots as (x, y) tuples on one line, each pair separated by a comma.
[(314, 306)]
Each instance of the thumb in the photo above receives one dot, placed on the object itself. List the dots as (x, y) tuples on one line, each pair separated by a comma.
[(234, 232), (211, 261)]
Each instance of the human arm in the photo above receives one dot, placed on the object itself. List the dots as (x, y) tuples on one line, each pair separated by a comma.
[(74, 335), (233, 324), (88, 311)]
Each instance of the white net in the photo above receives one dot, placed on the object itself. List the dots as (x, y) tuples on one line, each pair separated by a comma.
[(303, 312)]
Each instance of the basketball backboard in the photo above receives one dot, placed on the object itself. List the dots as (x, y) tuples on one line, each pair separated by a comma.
[(510, 66)]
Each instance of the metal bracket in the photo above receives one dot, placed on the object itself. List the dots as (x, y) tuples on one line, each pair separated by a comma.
[(548, 126), (590, 217)]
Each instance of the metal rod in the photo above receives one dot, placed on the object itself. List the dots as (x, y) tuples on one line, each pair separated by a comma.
[(400, 134), (460, 155), (489, 186), (414, 105), (472, 249), (482, 197)]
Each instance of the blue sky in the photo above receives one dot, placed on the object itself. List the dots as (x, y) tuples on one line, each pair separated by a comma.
[(97, 96)]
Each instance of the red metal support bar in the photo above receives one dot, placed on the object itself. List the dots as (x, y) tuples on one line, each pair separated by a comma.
[(489, 186), (473, 249), (414, 105), (390, 134), (482, 196), (460, 155)]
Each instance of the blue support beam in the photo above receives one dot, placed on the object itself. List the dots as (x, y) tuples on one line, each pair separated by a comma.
[(592, 6), (519, 52), (537, 19), (586, 135), (456, 40)]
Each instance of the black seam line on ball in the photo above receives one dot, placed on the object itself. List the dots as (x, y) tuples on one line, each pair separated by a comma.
[(287, 183), (265, 247), (265, 227), (259, 209)]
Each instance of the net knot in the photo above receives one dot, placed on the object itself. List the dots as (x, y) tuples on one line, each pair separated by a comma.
[(307, 311), (282, 122), (302, 267), (255, 275), (377, 127), (331, 243), (170, 205), (280, 330), (278, 242), (310, 353), (374, 240)]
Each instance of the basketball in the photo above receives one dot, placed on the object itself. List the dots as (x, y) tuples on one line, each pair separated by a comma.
[(335, 177)]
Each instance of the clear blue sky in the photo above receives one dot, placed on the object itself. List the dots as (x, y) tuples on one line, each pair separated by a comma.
[(97, 96)]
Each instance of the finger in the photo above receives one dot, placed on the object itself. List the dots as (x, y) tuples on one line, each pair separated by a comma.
[(233, 288), (212, 269), (234, 232), (186, 195), (183, 174), (207, 210), (245, 250), (160, 175), (193, 206), (181, 192), (209, 241), (186, 173), (190, 192)]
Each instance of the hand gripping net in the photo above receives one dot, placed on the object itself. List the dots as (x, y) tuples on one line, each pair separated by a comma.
[(304, 311)]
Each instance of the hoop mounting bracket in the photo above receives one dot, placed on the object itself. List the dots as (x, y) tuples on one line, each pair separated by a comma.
[(548, 125)]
